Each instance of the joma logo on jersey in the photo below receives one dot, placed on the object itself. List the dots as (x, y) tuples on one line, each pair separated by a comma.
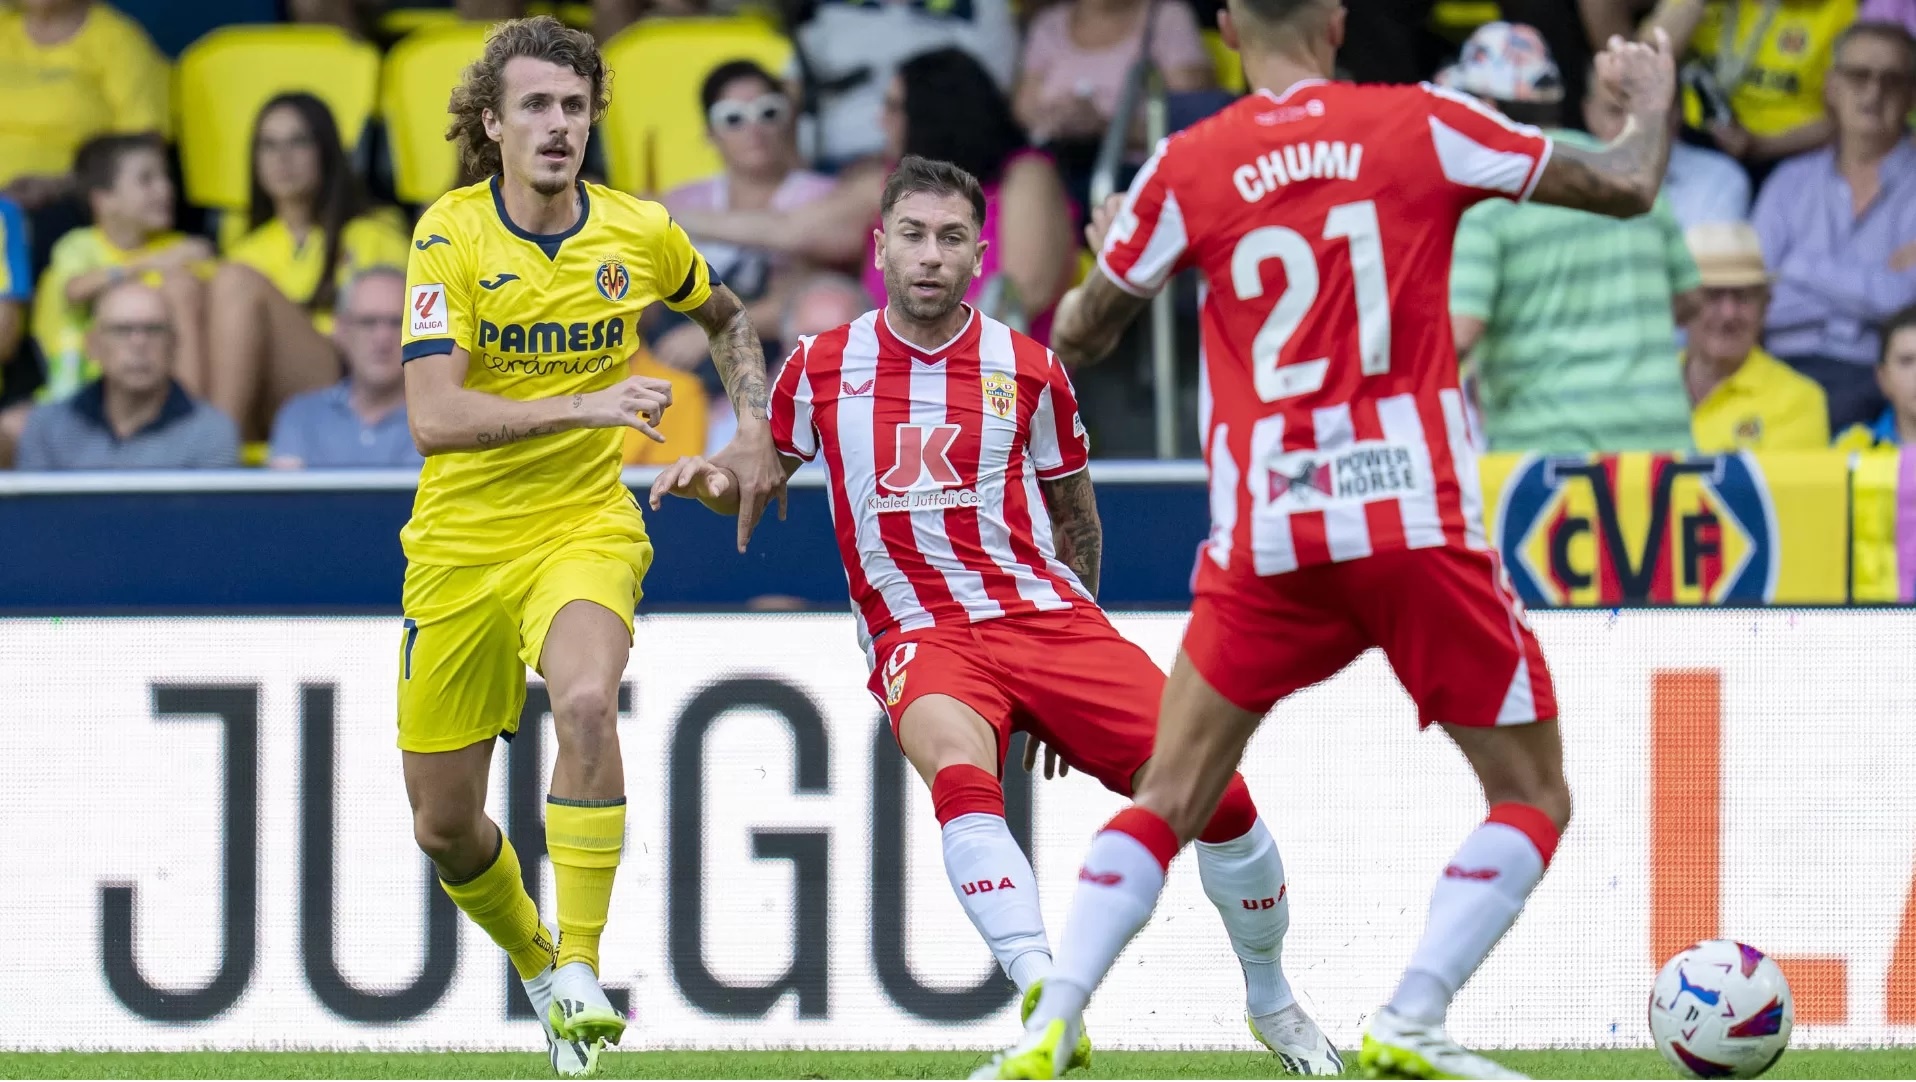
[(542, 338), (1370, 470), (1637, 528)]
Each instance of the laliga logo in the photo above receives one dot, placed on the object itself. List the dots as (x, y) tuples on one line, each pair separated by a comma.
[(1633, 528)]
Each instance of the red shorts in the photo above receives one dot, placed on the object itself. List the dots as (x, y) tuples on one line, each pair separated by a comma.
[(1446, 618), (1067, 678)]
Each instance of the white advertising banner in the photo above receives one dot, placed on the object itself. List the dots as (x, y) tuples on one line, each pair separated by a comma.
[(208, 815)]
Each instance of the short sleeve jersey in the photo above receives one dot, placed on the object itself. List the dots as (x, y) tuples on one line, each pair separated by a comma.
[(540, 315)]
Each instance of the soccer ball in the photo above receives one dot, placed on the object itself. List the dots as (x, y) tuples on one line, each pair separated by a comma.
[(1721, 1009)]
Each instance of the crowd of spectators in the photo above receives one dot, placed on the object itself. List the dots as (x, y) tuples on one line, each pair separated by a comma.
[(1764, 304)]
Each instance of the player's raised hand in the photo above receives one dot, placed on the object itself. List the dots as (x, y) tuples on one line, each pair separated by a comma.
[(694, 478), (1641, 75), (636, 402), (1054, 767), (1102, 216)]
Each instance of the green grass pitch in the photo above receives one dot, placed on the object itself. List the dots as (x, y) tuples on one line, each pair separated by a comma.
[(1805, 1063)]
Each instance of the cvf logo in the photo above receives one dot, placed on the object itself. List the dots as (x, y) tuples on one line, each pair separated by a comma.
[(922, 458)]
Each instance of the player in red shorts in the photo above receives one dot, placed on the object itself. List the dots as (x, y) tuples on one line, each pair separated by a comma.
[(970, 536), (1344, 492)]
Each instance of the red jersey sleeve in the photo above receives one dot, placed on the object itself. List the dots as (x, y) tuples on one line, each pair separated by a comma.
[(1482, 151), (792, 430), (1147, 241), (1058, 443)]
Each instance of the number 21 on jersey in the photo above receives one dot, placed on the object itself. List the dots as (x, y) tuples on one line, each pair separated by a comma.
[(1356, 224)]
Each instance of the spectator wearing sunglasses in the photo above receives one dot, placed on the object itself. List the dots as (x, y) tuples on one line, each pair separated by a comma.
[(750, 121), (361, 420)]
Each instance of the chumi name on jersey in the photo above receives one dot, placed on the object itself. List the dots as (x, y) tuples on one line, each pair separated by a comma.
[(1293, 162), (1371, 470)]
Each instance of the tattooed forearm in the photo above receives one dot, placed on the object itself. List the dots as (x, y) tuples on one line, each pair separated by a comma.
[(736, 353), (1092, 319), (1620, 180), (508, 434), (1075, 528)]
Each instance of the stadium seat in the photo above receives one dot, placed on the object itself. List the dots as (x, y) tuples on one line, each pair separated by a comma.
[(226, 76), (415, 86), (1455, 19), (1230, 70), (654, 133)]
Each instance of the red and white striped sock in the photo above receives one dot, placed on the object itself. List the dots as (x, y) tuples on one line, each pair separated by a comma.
[(1482, 890), (1123, 875)]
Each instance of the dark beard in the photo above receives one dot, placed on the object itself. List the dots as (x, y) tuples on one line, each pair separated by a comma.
[(897, 294), (549, 185)]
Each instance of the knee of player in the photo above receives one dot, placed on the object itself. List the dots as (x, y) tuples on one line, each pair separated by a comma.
[(444, 833), (585, 716)]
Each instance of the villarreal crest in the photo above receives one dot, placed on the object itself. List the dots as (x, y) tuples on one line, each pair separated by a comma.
[(1001, 394), (613, 281)]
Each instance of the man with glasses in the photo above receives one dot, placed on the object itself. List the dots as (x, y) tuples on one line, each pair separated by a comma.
[(136, 415), (1838, 225), (361, 420)]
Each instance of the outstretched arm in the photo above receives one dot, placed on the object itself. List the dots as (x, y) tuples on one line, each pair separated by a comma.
[(740, 360), (707, 481), (1075, 527), (1620, 179)]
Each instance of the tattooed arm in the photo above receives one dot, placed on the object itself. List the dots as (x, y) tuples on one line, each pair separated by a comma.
[(447, 416), (740, 360), (1620, 179), (1075, 528)]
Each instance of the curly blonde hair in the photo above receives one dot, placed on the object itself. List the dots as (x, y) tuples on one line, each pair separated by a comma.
[(541, 37)]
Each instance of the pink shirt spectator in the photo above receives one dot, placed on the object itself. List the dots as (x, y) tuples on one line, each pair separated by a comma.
[(1066, 69), (1889, 11), (746, 270), (1040, 321)]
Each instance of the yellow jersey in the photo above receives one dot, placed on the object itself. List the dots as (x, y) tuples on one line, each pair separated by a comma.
[(61, 328), (541, 315), (293, 266), (106, 78), (1765, 405), (1784, 49)]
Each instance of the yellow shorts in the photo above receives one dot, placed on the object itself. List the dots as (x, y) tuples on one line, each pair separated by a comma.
[(470, 632)]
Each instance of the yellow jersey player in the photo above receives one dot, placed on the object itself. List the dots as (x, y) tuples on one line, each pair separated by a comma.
[(524, 547)]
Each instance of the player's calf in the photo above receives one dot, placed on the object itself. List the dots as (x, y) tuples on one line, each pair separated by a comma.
[(990, 874)]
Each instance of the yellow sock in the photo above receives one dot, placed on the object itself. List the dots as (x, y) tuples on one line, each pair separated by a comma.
[(584, 838), (497, 901)]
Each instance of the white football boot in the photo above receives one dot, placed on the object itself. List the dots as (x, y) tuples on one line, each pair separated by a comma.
[(580, 1010), (1396, 1047), (570, 1059), (1296, 1041)]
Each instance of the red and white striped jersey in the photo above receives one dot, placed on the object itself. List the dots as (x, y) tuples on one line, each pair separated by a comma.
[(1322, 220), (933, 460)]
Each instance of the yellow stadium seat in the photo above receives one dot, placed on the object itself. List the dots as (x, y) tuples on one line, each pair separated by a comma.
[(1230, 69), (414, 89), (654, 132), (398, 22), (226, 76), (1455, 19)]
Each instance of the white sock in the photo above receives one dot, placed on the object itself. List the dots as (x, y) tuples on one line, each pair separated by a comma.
[(994, 882), (1244, 878), (1475, 902), (1117, 889)]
